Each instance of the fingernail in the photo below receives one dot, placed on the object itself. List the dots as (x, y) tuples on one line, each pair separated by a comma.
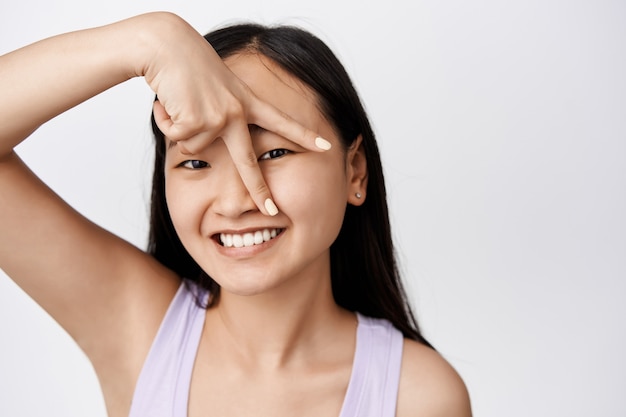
[(271, 207), (322, 143)]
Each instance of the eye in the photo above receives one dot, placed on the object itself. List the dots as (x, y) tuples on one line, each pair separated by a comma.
[(273, 154), (194, 164)]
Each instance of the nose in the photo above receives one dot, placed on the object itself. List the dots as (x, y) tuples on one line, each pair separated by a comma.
[(231, 198)]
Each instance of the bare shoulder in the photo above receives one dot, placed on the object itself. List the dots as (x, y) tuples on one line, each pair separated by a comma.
[(429, 385)]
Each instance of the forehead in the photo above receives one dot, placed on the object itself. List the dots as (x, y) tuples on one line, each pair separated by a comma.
[(274, 85)]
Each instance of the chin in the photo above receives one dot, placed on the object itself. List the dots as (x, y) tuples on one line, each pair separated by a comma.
[(246, 285)]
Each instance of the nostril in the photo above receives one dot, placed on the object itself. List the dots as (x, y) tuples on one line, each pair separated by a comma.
[(234, 203)]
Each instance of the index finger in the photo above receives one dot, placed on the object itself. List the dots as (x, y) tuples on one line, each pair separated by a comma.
[(239, 144), (274, 120)]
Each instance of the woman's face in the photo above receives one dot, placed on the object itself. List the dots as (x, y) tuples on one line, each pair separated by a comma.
[(243, 250)]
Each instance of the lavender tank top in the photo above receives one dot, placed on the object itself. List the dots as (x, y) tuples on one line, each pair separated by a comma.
[(163, 385)]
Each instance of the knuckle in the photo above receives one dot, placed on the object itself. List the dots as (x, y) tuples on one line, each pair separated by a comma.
[(234, 110), (218, 117), (250, 160), (261, 189), (284, 117), (189, 125), (195, 125), (215, 121)]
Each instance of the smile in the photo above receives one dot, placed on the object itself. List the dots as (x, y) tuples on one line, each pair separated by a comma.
[(259, 237)]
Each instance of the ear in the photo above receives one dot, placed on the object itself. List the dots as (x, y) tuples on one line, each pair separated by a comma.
[(356, 172)]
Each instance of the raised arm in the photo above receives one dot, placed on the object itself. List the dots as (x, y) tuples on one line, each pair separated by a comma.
[(47, 248), (91, 282), (199, 98)]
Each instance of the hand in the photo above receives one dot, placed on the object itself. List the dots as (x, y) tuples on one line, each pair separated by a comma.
[(200, 99)]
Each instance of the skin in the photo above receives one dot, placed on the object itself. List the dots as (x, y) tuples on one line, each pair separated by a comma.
[(270, 331), (310, 188), (271, 322), (276, 329)]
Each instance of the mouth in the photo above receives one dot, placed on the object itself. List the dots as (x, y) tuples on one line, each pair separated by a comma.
[(236, 240)]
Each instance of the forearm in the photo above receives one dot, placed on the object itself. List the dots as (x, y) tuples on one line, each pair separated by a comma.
[(46, 78), (200, 99)]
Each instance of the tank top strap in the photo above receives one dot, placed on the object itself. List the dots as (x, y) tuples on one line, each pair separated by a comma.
[(373, 387), (163, 385)]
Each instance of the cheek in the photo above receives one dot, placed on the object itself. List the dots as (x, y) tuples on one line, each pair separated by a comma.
[(312, 193), (176, 210), (184, 209)]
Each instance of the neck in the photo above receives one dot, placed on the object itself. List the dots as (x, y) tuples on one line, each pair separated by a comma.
[(285, 326)]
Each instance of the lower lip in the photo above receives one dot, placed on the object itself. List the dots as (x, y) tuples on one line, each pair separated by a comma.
[(247, 251)]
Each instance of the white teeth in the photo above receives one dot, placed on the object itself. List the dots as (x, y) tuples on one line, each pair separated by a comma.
[(248, 239)]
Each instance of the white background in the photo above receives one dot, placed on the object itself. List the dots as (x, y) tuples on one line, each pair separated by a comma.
[(502, 127)]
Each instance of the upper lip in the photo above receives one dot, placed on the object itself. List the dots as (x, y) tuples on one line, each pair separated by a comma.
[(216, 234), (246, 230)]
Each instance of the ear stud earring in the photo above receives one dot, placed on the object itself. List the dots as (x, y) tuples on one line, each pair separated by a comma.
[(357, 195)]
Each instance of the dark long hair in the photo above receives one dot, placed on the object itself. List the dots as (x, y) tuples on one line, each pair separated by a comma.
[(364, 273)]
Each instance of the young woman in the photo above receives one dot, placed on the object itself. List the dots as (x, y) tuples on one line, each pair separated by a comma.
[(270, 287)]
